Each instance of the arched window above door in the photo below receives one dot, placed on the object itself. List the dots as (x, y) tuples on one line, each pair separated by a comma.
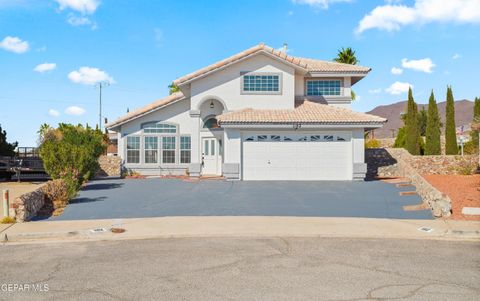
[(211, 123)]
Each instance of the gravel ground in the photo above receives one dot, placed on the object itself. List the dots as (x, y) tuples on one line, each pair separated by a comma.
[(464, 191)]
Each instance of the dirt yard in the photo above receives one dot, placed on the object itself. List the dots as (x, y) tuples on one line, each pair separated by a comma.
[(464, 191), (16, 190)]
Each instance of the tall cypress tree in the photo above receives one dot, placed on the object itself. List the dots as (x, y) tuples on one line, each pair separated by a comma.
[(451, 147), (476, 117), (412, 134), (432, 146)]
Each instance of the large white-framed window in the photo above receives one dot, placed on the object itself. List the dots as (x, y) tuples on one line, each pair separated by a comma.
[(151, 149), (159, 128), (185, 149), (168, 149), (133, 149), (323, 87), (261, 83)]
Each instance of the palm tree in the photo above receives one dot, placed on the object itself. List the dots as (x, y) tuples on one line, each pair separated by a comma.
[(347, 56)]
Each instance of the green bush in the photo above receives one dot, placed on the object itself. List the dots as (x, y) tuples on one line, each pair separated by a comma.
[(71, 153), (372, 143), (7, 220), (470, 148)]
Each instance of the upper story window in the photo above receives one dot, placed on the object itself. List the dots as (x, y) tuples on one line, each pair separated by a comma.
[(323, 87), (261, 83), (158, 127)]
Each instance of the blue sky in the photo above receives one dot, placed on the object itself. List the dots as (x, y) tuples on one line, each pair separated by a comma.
[(141, 46)]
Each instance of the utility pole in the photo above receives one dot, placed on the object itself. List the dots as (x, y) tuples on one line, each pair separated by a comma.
[(100, 85)]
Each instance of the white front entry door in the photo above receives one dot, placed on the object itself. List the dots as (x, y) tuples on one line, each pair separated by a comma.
[(319, 156), (210, 156)]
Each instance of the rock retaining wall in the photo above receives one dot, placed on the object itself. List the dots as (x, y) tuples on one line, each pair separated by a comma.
[(26, 206), (110, 166), (396, 162)]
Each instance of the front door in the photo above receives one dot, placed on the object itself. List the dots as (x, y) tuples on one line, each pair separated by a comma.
[(210, 156)]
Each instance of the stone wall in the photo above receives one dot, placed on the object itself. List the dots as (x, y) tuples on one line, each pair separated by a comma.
[(397, 162), (26, 206), (110, 166)]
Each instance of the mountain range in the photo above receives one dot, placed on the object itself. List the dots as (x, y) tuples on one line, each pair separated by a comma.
[(463, 115)]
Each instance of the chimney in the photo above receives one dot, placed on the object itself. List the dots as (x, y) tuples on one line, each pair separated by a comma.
[(285, 47)]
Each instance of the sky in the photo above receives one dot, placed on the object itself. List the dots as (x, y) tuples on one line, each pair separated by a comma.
[(52, 52)]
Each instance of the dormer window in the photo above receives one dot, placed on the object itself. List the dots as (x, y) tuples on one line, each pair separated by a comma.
[(261, 83), (323, 87), (159, 128)]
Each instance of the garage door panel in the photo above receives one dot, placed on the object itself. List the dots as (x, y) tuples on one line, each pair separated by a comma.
[(298, 160)]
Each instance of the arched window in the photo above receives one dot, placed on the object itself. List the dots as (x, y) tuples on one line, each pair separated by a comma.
[(211, 123), (158, 127)]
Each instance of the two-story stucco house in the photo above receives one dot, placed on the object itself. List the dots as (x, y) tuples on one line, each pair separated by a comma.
[(258, 115)]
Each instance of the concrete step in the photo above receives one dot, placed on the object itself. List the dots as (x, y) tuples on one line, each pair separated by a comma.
[(402, 193)]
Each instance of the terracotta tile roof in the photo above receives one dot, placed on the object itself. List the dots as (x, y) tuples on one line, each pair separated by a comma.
[(307, 112), (147, 109), (307, 64)]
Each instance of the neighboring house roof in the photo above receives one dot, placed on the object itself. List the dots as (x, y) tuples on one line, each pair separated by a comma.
[(306, 64), (156, 105), (308, 112)]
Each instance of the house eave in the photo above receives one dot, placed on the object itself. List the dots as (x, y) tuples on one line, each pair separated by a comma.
[(114, 126), (301, 125)]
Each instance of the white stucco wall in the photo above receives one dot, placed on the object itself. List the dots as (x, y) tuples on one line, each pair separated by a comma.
[(358, 146), (177, 113), (226, 84)]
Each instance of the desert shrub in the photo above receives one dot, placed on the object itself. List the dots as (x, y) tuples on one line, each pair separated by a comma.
[(470, 148), (465, 168), (372, 143), (71, 153), (57, 192), (7, 220)]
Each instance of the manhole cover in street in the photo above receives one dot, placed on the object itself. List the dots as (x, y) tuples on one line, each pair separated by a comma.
[(117, 230), (98, 230)]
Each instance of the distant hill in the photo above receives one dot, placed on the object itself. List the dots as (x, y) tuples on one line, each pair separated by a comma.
[(463, 115)]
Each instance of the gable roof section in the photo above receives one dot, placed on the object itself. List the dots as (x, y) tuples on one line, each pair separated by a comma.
[(306, 64), (156, 105), (308, 112)]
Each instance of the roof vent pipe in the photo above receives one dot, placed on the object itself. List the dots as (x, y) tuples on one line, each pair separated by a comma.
[(285, 47)]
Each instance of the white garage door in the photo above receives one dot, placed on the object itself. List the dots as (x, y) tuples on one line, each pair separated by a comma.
[(324, 156)]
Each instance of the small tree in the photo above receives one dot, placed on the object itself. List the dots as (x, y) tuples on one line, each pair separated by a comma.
[(432, 146), (451, 147), (347, 56), (6, 149), (172, 88), (71, 152), (412, 133), (476, 116), (422, 121)]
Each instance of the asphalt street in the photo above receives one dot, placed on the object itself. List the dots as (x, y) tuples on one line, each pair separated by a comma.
[(242, 269)]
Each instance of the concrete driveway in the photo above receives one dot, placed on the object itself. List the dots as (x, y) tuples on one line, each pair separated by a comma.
[(131, 198)]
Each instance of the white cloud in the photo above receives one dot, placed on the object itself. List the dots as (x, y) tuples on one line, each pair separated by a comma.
[(74, 110), (53, 113), (375, 91), (323, 4), (396, 70), (456, 56), (90, 76), (398, 88), (392, 17), (45, 67), (81, 6), (14, 44), (425, 65)]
